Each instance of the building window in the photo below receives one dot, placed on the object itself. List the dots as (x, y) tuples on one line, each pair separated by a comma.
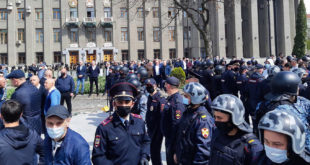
[(140, 12), (187, 33), (57, 57), (140, 34), (123, 12), (74, 34), (21, 35), (125, 55), (21, 14), (57, 35), (3, 36), (107, 32), (107, 12), (39, 57), (187, 52), (90, 13), (39, 36), (155, 12), (39, 14), (3, 58), (171, 12), (56, 13), (21, 58), (124, 34), (156, 34), (171, 30), (91, 34), (3, 14), (157, 54), (172, 54), (73, 13), (141, 55), (203, 53)]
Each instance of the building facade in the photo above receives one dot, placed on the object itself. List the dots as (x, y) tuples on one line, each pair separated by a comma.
[(69, 31), (245, 29)]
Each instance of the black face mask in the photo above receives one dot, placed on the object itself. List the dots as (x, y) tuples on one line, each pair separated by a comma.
[(123, 111), (224, 127), (150, 89), (62, 74)]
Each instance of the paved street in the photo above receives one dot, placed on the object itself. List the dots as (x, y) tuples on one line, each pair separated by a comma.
[(87, 115)]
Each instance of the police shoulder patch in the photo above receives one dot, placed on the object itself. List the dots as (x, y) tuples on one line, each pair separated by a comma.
[(107, 120), (97, 141), (205, 132), (178, 114), (136, 116), (251, 141)]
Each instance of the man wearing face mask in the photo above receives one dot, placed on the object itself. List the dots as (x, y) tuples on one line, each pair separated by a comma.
[(122, 138), (233, 141), (284, 138), (65, 85), (171, 114), (63, 145), (154, 104), (195, 129)]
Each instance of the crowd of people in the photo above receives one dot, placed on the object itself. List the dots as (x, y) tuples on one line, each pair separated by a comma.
[(227, 112)]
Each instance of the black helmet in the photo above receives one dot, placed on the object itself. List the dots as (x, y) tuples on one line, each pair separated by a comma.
[(117, 68), (132, 76), (219, 69), (124, 70), (289, 58), (285, 82), (306, 58), (135, 82), (143, 74), (112, 68), (209, 63)]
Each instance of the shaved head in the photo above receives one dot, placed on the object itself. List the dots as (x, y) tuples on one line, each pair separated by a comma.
[(49, 83), (35, 81), (2, 82)]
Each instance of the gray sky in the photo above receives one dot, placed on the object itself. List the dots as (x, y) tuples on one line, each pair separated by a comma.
[(307, 3)]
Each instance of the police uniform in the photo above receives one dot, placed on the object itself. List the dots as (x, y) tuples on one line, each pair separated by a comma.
[(120, 142), (241, 81), (171, 115), (194, 137), (229, 83), (154, 104)]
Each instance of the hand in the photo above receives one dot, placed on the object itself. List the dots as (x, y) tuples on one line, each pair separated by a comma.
[(80, 76), (144, 161), (71, 94), (175, 159)]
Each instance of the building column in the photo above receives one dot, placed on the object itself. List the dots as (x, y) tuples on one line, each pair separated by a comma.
[(179, 38), (234, 28), (30, 34), (48, 32), (217, 29), (12, 31)]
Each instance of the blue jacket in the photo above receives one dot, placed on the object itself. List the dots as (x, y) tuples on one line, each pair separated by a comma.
[(168, 70), (81, 71), (115, 145), (65, 84), (52, 99), (93, 73), (19, 145), (30, 99), (73, 150)]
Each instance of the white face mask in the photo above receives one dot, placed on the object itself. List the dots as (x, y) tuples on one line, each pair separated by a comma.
[(276, 155), (55, 133)]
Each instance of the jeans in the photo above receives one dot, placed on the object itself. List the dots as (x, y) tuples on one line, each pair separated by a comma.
[(78, 85), (66, 97)]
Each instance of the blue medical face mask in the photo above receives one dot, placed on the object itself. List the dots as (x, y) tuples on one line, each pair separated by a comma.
[(276, 155), (267, 66), (185, 101), (55, 133)]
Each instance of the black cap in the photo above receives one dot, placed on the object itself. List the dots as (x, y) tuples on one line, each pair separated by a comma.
[(58, 110), (16, 74), (173, 81), (243, 67), (150, 81), (259, 66), (123, 91)]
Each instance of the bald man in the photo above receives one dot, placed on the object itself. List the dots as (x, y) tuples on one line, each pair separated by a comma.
[(53, 97), (47, 74)]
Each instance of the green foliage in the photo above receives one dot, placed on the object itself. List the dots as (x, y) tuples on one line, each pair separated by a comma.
[(101, 85), (180, 74), (9, 93), (301, 31), (308, 44)]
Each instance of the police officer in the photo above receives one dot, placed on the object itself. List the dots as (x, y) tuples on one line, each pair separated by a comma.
[(284, 138), (140, 106), (123, 74), (122, 138), (171, 115), (233, 141), (216, 81), (284, 91), (208, 75), (253, 89), (229, 80), (241, 81), (266, 83), (302, 86), (154, 104), (195, 128)]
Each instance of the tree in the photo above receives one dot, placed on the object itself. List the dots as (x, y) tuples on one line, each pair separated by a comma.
[(301, 31)]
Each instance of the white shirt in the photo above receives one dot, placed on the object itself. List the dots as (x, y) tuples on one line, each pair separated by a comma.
[(184, 64), (157, 70), (49, 91), (94, 67), (123, 120), (38, 86)]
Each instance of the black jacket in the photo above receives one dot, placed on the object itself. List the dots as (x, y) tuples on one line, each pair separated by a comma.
[(19, 145)]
